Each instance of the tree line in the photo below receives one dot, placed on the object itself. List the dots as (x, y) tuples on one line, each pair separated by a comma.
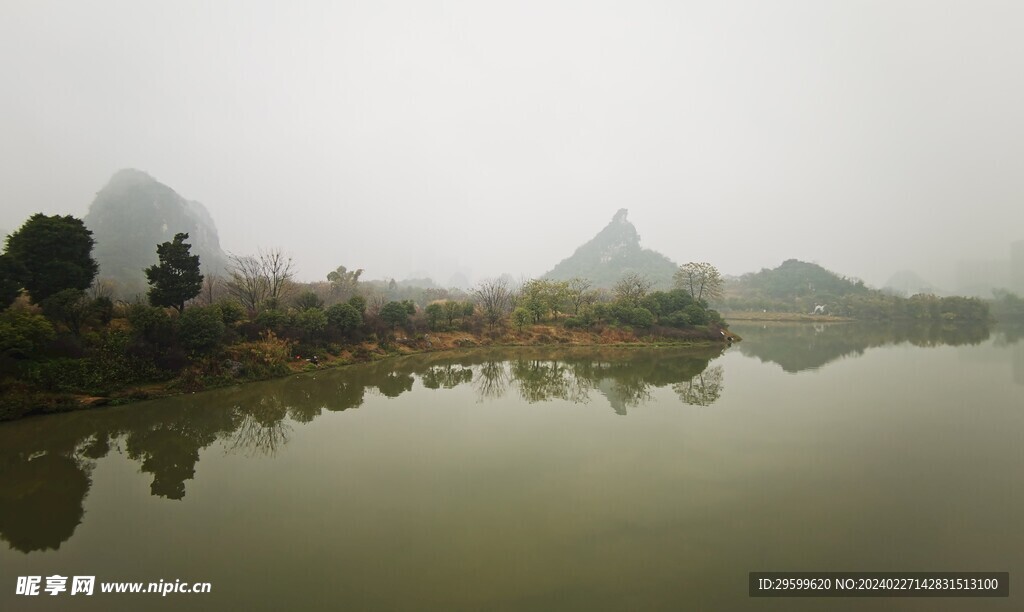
[(62, 334), (798, 286)]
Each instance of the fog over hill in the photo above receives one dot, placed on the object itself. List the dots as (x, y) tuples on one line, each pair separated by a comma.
[(612, 253), (908, 282), (412, 138), (134, 213)]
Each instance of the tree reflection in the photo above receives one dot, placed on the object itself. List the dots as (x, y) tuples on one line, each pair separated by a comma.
[(540, 381), (625, 378), (703, 389), (492, 381), (261, 429), (41, 500), (446, 376), (394, 384), (169, 450), (45, 463), (797, 346)]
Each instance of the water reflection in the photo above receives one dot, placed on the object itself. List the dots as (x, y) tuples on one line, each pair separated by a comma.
[(41, 500), (703, 389), (46, 463), (1008, 335), (799, 346)]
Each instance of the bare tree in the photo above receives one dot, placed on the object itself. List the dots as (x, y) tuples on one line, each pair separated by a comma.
[(256, 281), (211, 283), (102, 288), (580, 294), (376, 303), (494, 298), (632, 288), (279, 270), (701, 279), (246, 282)]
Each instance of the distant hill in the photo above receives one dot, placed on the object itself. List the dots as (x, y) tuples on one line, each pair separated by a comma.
[(798, 286), (793, 286), (907, 283), (134, 213), (613, 252)]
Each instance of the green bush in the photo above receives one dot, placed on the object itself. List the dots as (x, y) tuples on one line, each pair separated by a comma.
[(23, 333), (230, 312), (308, 300), (201, 329), (18, 400), (359, 303), (575, 323), (151, 324), (107, 366), (396, 314), (102, 309), (345, 318), (696, 314), (521, 317), (639, 317), (272, 319), (678, 319), (311, 322), (435, 314)]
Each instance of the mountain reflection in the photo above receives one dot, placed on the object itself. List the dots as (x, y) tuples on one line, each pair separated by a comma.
[(46, 463), (802, 346)]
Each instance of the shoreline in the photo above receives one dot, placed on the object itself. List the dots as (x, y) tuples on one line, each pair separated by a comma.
[(746, 315), (370, 352)]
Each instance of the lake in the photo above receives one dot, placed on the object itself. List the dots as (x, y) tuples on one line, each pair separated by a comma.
[(540, 478)]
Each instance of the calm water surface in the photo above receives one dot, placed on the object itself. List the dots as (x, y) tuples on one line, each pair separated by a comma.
[(536, 479)]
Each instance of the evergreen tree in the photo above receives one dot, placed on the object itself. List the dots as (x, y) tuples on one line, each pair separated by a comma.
[(12, 275), (55, 253), (176, 279)]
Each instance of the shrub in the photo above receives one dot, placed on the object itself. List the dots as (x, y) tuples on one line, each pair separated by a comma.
[(396, 314), (201, 329), (311, 322), (230, 312), (102, 309), (345, 318), (23, 333), (639, 317), (435, 313), (18, 400), (151, 324), (68, 306), (521, 317), (359, 303), (308, 300), (575, 323), (108, 366), (696, 314), (268, 356), (677, 319), (272, 319)]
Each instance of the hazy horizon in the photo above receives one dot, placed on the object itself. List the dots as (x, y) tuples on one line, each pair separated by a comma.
[(412, 138)]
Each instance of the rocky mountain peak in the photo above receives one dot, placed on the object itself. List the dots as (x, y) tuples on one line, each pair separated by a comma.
[(132, 214)]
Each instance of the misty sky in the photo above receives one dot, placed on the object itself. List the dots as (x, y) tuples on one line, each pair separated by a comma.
[(424, 137)]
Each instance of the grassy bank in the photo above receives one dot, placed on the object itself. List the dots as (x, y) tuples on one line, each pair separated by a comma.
[(751, 315), (208, 375)]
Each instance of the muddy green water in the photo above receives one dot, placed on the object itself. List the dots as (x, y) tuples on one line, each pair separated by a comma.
[(540, 479)]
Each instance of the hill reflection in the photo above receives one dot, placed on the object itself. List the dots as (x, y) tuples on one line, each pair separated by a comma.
[(797, 347), (46, 463)]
